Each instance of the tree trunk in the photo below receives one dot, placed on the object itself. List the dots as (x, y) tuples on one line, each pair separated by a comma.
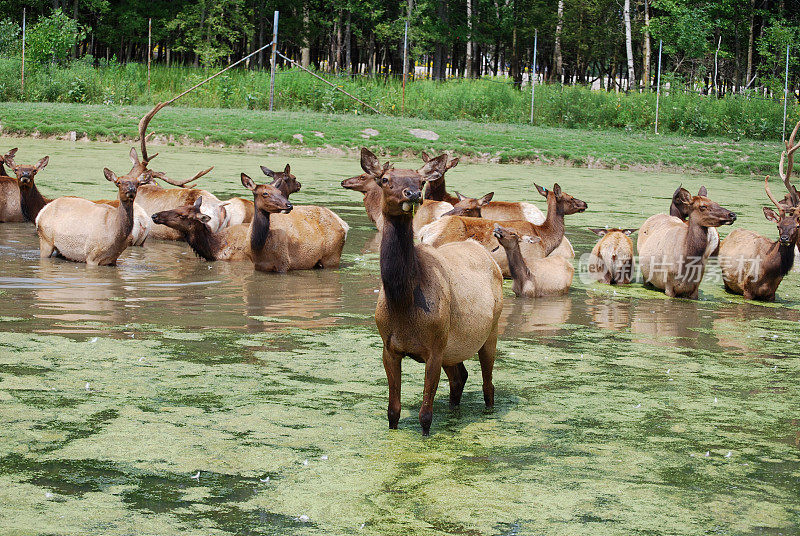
[(305, 50), (338, 43), (348, 58), (557, 59), (261, 34), (646, 47), (469, 67), (626, 13), (371, 53), (440, 50)]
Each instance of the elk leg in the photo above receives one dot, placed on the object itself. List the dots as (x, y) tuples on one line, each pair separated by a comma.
[(391, 362), (486, 356), (45, 249), (433, 371), (457, 375)]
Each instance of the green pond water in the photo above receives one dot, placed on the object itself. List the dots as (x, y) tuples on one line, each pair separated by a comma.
[(618, 411)]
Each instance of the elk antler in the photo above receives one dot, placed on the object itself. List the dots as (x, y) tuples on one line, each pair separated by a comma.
[(772, 197), (143, 129), (787, 176), (182, 184)]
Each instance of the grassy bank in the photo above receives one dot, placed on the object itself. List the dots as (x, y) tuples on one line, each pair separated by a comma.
[(485, 100), (332, 132)]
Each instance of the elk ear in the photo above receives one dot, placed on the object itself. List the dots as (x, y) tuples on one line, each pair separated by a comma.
[(598, 231), (434, 168), (531, 239), (248, 183), (682, 195), (629, 232), (110, 176), (452, 163), (485, 199), (268, 172), (770, 215), (703, 192), (370, 164), (460, 196), (41, 164), (134, 156), (287, 169), (205, 218), (542, 191), (557, 190), (425, 156), (198, 202)]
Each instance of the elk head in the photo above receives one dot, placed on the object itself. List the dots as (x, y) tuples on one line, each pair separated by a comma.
[(402, 188), (360, 183), (469, 206), (283, 180), (787, 218), (565, 203), (604, 232), (25, 173), (682, 200), (511, 239), (267, 198), (126, 185), (184, 219), (707, 213), (10, 154)]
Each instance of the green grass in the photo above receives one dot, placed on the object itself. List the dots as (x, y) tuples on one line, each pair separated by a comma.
[(477, 141), (484, 100)]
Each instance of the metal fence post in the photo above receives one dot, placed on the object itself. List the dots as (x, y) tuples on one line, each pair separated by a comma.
[(405, 68), (785, 92), (22, 80), (272, 74), (658, 83), (533, 70), (149, 50)]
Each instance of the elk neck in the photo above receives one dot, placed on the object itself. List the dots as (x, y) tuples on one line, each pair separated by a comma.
[(373, 199), (203, 242), (436, 190), (400, 268), (552, 230), (779, 261), (31, 202), (259, 230), (517, 266), (124, 220), (696, 240)]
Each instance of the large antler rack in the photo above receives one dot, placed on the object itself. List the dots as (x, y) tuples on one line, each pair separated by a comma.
[(788, 154), (146, 160), (781, 208)]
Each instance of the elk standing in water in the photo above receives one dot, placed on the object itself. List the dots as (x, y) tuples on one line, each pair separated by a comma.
[(611, 260), (753, 265), (274, 242), (31, 200), (679, 209), (438, 306), (551, 232), (549, 276), (673, 256), (84, 231), (10, 198)]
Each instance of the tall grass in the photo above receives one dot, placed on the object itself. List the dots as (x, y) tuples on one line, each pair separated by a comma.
[(487, 100)]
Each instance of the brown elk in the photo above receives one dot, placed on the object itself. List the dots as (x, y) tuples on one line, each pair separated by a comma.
[(438, 306), (679, 209), (83, 231), (551, 232), (754, 266), (611, 259), (241, 210), (311, 238), (10, 199), (673, 256), (31, 200), (436, 190), (550, 276), (469, 206)]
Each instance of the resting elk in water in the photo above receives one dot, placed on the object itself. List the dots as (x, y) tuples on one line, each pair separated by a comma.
[(438, 306), (611, 259), (549, 276), (754, 266), (241, 210), (551, 232), (273, 242), (83, 231), (673, 257)]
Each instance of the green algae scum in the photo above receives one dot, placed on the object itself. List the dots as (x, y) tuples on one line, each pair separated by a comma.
[(169, 395)]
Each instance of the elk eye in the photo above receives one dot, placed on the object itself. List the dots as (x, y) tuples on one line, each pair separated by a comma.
[(264, 195), (703, 208), (384, 180)]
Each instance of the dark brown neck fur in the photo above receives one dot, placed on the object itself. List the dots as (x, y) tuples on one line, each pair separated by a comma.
[(203, 242), (437, 191), (696, 240), (31, 202), (125, 215), (778, 262), (259, 230), (552, 230), (520, 272), (399, 263)]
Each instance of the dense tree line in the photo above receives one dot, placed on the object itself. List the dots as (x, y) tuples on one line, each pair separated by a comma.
[(611, 43)]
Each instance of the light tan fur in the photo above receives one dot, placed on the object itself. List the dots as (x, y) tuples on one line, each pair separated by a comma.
[(673, 256), (657, 220), (611, 260), (154, 198), (10, 210)]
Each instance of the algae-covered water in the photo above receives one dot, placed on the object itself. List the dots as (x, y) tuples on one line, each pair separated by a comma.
[(170, 395)]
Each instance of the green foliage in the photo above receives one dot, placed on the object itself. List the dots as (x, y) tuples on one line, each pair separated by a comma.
[(52, 38), (9, 37), (210, 28)]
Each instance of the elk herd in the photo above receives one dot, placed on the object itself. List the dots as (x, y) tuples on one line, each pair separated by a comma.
[(443, 256)]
